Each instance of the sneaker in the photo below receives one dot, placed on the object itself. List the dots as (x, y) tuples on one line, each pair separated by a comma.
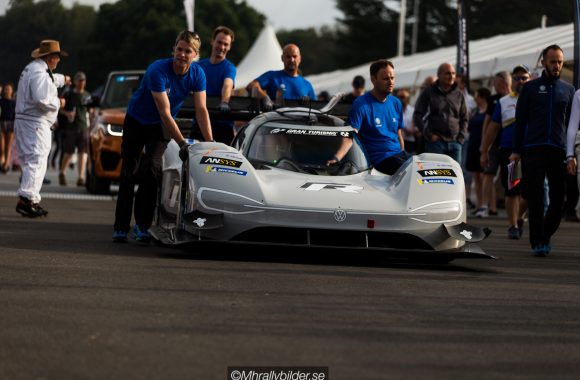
[(39, 209), (514, 233), (80, 182), (62, 179), (521, 227), (541, 250), (25, 207), (482, 213), (492, 213), (141, 235), (46, 181), (119, 236)]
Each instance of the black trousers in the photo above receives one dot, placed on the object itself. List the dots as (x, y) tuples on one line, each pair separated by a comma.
[(142, 152), (537, 164)]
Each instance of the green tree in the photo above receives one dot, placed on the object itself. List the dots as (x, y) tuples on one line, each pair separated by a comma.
[(318, 48), (367, 31), (26, 23), (130, 34), (493, 17)]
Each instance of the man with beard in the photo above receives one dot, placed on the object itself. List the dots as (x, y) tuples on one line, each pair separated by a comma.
[(378, 118), (542, 115)]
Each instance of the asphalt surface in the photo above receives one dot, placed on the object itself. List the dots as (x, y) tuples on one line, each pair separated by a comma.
[(74, 305)]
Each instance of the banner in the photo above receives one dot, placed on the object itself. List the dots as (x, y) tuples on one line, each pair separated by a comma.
[(462, 66)]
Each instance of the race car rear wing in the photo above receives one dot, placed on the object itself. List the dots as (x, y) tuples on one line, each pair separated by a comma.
[(246, 108)]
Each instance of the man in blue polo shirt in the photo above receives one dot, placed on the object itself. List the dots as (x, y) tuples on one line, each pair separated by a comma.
[(148, 127), (220, 76), (291, 85), (378, 117)]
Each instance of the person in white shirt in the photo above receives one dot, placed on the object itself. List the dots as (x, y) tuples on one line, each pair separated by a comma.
[(37, 106)]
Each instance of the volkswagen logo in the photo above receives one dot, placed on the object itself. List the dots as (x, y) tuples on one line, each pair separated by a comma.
[(340, 215)]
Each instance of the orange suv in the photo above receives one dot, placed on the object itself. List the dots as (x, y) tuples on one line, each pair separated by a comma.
[(106, 130)]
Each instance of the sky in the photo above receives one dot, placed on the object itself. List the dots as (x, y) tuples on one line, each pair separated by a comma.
[(282, 14)]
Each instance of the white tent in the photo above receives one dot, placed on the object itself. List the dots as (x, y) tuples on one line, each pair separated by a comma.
[(486, 57), (265, 54)]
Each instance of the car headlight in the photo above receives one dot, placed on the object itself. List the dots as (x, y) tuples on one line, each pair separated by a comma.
[(439, 212), (109, 129)]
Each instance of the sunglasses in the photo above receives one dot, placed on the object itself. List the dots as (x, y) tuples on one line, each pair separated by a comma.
[(193, 35)]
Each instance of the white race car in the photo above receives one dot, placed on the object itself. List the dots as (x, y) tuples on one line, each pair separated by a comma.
[(274, 186)]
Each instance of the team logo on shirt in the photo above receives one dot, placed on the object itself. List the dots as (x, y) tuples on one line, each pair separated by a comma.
[(378, 122), (542, 90)]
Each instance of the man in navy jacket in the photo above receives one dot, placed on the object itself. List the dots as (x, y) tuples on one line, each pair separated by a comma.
[(542, 114)]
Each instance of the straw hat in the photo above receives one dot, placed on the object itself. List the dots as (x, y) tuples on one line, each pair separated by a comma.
[(48, 47)]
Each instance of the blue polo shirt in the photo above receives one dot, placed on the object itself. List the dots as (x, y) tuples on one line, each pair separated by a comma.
[(215, 74), (377, 124), (160, 77), (296, 87)]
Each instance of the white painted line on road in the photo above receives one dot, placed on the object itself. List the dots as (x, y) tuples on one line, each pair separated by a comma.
[(76, 197)]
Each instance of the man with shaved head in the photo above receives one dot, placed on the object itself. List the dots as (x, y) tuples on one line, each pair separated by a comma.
[(441, 114), (288, 83)]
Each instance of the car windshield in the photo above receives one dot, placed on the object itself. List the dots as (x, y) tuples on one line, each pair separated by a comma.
[(120, 89), (306, 149)]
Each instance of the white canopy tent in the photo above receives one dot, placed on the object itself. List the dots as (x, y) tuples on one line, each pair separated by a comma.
[(486, 57), (265, 54)]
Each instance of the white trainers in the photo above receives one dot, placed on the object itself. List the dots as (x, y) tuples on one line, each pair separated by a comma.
[(482, 213)]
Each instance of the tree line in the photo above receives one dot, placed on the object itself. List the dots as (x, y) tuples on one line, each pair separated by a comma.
[(130, 34)]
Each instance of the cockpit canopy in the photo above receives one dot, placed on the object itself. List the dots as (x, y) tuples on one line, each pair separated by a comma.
[(306, 148)]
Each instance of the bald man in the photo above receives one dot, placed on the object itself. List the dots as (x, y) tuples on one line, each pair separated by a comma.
[(441, 114), (291, 84)]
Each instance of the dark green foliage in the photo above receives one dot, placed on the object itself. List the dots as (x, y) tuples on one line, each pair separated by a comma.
[(130, 34)]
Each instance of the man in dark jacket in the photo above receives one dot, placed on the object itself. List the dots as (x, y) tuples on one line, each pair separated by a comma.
[(542, 114), (441, 114)]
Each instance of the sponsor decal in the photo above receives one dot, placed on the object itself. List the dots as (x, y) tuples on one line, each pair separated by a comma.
[(468, 234), (200, 222), (210, 160), (437, 173), (217, 169), (345, 188), (340, 215), (425, 181), (309, 132)]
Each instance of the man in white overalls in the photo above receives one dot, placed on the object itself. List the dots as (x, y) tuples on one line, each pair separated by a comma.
[(37, 106)]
